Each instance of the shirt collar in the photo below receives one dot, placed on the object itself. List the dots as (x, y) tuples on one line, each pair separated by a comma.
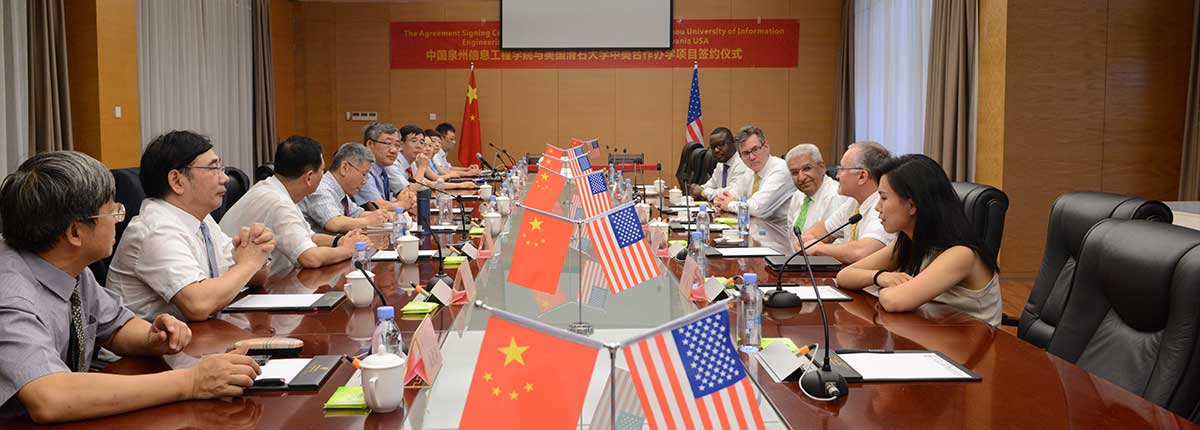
[(49, 276), (734, 161), (181, 215), (332, 183)]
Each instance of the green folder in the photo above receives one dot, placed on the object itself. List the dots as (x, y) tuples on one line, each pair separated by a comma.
[(347, 398), (418, 308), (454, 261), (476, 231), (726, 220)]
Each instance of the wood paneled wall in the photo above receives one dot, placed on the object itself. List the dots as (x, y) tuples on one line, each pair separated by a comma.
[(341, 64), (1092, 100), (102, 62)]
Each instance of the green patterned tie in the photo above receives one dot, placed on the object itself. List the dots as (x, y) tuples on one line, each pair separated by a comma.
[(75, 353), (800, 219)]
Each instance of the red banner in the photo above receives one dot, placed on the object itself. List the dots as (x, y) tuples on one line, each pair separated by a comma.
[(711, 42)]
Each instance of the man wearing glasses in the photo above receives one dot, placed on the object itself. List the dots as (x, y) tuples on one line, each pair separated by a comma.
[(173, 257), (816, 195), (273, 201), (330, 209), (383, 180), (729, 174), (59, 217), (857, 241), (770, 188)]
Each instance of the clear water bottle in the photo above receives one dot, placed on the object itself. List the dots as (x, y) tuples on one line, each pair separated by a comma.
[(750, 314), (490, 206), (360, 254), (703, 220), (387, 338), (399, 226), (611, 174), (743, 219), (445, 209), (696, 252), (628, 189)]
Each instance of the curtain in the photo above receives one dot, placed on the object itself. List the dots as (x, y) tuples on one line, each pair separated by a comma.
[(1189, 171), (49, 97), (843, 87), (194, 73), (949, 125), (264, 84), (891, 48), (14, 83)]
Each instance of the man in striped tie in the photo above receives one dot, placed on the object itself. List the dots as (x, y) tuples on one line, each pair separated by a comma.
[(857, 241), (729, 174), (816, 195)]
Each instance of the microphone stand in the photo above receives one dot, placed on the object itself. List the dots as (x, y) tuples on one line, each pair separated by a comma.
[(824, 383), (462, 208), (779, 298), (441, 273), (359, 265)]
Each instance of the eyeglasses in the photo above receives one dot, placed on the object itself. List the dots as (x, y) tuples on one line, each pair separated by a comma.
[(392, 145), (753, 150), (216, 168), (839, 169), (118, 215), (806, 169), (361, 172)]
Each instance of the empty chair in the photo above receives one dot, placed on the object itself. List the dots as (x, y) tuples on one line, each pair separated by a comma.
[(985, 207), (1072, 216), (703, 164), (683, 173), (1133, 317), (237, 186)]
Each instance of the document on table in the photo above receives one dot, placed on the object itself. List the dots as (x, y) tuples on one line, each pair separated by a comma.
[(906, 366), (757, 251), (391, 255), (275, 301), (806, 292), (284, 369)]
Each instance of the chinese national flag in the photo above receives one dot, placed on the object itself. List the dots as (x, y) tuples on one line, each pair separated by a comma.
[(469, 141), (545, 191), (527, 379), (554, 164), (541, 247), (554, 152)]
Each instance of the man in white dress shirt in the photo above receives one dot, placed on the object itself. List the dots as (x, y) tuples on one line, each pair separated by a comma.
[(173, 257), (856, 241), (272, 201), (729, 174), (771, 187), (330, 209), (816, 194)]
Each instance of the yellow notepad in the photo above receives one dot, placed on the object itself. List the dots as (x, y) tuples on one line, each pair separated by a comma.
[(415, 308), (788, 342), (726, 220), (454, 261), (347, 398), (476, 231)]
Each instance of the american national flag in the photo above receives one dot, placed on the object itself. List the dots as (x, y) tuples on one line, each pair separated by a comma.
[(593, 194), (594, 284), (622, 249), (629, 412), (580, 163), (695, 130), (691, 377)]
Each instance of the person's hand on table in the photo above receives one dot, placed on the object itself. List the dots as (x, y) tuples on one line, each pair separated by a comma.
[(168, 335), (891, 279), (223, 375), (696, 191), (377, 217), (722, 200), (474, 169), (246, 247), (407, 198), (354, 236)]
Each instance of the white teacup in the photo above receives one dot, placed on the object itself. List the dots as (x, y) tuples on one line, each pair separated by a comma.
[(643, 212), (731, 235), (407, 247), (659, 185), (676, 196), (485, 192), (383, 382), (494, 223), (504, 205), (358, 288), (659, 231)]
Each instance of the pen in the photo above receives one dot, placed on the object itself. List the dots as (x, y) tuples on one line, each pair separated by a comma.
[(864, 351)]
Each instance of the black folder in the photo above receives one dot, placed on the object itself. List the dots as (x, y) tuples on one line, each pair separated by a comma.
[(820, 263)]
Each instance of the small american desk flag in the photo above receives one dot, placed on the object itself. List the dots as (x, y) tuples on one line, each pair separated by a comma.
[(593, 194), (622, 250), (691, 377), (580, 164), (695, 130)]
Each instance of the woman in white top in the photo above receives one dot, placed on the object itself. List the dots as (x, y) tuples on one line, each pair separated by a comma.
[(936, 256)]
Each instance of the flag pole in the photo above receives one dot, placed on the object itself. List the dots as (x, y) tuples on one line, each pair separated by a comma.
[(717, 306), (612, 383), (539, 326), (580, 327)]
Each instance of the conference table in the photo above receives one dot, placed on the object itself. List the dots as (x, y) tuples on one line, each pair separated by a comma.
[(1021, 386)]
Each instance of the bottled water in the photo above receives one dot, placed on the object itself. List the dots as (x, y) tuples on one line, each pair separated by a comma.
[(628, 190), (743, 219), (750, 314), (703, 219), (399, 225), (696, 252), (360, 254), (445, 209), (387, 338)]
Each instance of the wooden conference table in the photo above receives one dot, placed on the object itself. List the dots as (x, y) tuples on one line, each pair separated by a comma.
[(1022, 387)]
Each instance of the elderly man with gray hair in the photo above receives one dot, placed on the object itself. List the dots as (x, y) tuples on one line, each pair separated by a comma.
[(330, 209), (58, 217), (816, 194), (856, 241)]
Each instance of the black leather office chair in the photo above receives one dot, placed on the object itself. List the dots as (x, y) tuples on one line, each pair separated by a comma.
[(129, 192), (985, 207), (237, 186), (264, 171), (683, 173), (703, 164), (1133, 317), (1071, 217)]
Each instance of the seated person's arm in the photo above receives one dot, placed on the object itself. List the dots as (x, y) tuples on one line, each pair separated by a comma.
[(861, 274), (343, 224), (325, 253), (950, 268), (848, 252), (816, 231), (166, 335), (200, 299)]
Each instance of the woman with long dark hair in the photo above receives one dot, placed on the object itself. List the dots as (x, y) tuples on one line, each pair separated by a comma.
[(936, 256)]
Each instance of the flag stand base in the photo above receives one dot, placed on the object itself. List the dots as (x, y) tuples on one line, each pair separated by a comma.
[(584, 328)]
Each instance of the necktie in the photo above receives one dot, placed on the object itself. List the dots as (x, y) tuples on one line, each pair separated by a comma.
[(75, 345), (346, 206), (800, 219), (754, 188), (208, 247), (386, 185), (725, 177), (854, 227)]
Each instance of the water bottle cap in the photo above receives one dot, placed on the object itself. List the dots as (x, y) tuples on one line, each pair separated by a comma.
[(385, 312), (750, 278), (704, 207), (696, 235), (493, 199), (762, 231), (360, 246), (399, 211)]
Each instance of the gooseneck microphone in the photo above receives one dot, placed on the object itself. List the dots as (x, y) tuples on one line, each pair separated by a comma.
[(778, 298), (359, 265), (823, 384), (511, 160), (479, 157)]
